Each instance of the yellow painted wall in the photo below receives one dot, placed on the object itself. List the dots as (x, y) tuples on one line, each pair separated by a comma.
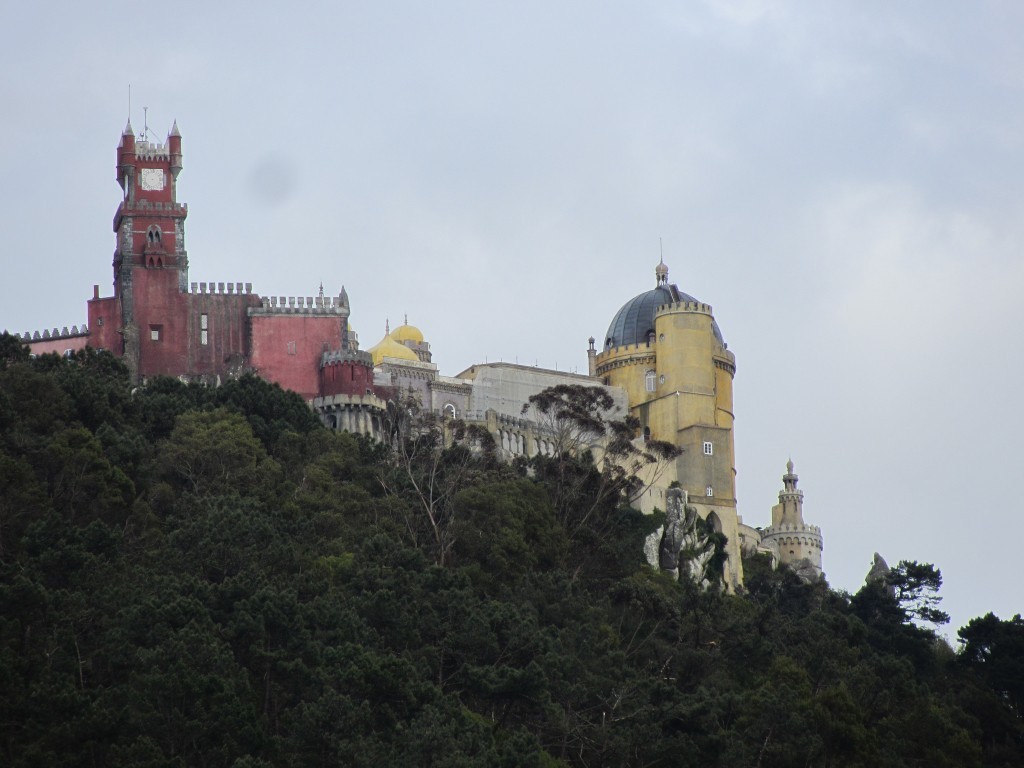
[(693, 405)]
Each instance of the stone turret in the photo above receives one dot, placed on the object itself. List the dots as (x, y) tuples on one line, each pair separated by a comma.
[(796, 544), (174, 149), (666, 350)]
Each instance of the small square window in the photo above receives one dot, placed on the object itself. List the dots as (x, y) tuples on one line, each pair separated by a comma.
[(709, 448), (291, 347), (154, 332), (708, 491)]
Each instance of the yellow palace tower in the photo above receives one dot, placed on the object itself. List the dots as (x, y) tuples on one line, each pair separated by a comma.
[(666, 350)]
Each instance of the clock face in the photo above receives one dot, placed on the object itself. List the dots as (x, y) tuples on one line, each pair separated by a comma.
[(152, 179)]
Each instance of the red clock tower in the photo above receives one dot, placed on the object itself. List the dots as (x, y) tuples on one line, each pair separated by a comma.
[(150, 263), (161, 324)]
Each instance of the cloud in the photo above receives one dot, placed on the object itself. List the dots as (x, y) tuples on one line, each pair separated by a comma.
[(894, 260), (743, 12)]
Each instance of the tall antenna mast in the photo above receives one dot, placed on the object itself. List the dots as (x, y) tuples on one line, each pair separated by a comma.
[(661, 250), (129, 102), (145, 123)]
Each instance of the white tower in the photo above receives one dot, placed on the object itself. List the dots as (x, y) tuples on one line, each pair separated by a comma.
[(796, 544)]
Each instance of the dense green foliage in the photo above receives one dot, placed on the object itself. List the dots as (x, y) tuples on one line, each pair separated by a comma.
[(205, 577)]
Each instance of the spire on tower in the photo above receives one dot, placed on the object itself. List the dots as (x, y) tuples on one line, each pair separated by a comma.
[(789, 479), (174, 130), (661, 273)]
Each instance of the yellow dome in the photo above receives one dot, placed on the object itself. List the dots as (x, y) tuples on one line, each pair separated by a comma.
[(388, 347), (408, 333)]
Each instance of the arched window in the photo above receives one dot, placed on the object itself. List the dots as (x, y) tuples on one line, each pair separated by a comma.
[(449, 410), (651, 381)]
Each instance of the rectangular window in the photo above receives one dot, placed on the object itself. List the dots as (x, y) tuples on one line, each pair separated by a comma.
[(154, 332), (204, 321), (708, 448), (708, 491), (204, 324), (291, 347)]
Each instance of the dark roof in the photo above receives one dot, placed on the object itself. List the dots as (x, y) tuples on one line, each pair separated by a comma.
[(635, 321)]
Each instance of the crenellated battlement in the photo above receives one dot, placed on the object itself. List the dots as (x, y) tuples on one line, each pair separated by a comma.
[(626, 355), (148, 208), (63, 333), (787, 534), (337, 357), (684, 306), (642, 348), (152, 206), (301, 305), (726, 363), (787, 528), (152, 150), (215, 289)]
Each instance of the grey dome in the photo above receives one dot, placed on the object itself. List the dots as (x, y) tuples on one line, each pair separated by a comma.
[(634, 323)]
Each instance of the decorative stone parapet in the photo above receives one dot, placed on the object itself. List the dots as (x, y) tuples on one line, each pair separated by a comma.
[(152, 150), (809, 535), (336, 357), (301, 305), (63, 333), (684, 306), (221, 288)]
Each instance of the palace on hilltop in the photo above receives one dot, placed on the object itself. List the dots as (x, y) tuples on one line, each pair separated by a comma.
[(663, 360)]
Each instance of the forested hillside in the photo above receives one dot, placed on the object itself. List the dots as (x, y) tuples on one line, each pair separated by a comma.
[(206, 577)]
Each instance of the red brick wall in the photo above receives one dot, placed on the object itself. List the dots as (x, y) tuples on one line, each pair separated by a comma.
[(158, 304), (46, 346), (227, 332), (288, 348), (104, 325), (346, 378)]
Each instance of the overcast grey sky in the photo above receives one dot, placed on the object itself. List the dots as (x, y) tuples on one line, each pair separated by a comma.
[(842, 181)]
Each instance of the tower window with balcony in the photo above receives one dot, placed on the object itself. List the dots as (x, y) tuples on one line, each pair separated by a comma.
[(709, 448), (651, 381)]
